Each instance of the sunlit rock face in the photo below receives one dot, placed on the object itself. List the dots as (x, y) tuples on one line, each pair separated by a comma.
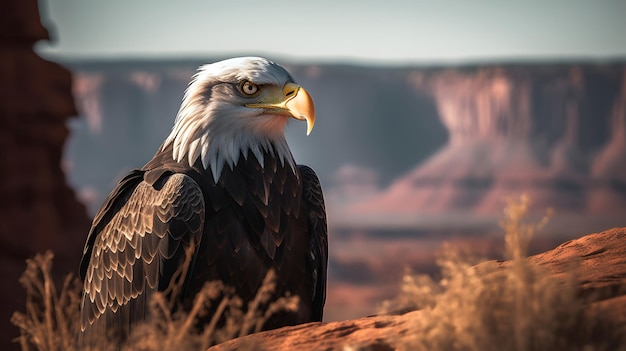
[(556, 133)]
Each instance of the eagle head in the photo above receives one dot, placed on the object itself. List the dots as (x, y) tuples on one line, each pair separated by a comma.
[(237, 106)]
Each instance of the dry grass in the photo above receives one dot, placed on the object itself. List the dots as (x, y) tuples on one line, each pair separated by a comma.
[(177, 331), (52, 320), (519, 307)]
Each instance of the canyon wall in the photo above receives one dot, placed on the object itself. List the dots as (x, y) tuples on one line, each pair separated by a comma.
[(555, 132)]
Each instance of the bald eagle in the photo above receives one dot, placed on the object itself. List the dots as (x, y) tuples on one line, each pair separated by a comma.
[(224, 186)]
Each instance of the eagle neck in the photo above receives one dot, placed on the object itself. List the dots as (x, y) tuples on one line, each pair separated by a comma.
[(215, 153)]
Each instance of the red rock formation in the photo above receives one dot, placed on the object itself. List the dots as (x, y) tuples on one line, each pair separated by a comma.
[(512, 129), (38, 211)]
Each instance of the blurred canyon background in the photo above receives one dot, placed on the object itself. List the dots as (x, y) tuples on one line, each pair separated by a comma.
[(410, 155)]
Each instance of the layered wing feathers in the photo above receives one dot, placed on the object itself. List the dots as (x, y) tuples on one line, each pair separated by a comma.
[(155, 224)]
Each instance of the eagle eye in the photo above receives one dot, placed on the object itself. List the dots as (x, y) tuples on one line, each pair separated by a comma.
[(249, 88)]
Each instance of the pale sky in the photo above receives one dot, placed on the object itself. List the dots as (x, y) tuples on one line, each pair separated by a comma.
[(391, 31)]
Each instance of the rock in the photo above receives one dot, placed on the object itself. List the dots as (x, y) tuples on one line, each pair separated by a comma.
[(600, 261), (369, 333), (39, 211)]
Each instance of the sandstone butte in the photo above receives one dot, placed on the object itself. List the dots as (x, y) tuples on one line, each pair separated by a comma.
[(601, 259)]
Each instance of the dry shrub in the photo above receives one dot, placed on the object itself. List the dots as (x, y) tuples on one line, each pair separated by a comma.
[(516, 307), (176, 331), (52, 321)]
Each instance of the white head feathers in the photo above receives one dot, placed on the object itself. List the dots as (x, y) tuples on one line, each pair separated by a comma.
[(214, 124)]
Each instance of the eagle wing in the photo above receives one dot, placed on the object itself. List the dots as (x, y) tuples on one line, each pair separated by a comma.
[(136, 242), (313, 200)]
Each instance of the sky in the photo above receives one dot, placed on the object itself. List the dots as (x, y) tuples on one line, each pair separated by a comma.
[(383, 32)]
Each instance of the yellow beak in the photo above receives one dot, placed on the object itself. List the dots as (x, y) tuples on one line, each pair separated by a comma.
[(293, 101)]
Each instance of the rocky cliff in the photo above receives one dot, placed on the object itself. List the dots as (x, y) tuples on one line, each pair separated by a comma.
[(555, 132), (38, 210)]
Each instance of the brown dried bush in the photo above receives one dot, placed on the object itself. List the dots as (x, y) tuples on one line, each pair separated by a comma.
[(51, 321), (519, 307)]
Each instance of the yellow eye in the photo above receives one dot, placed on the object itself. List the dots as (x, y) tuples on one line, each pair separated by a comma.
[(249, 88)]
